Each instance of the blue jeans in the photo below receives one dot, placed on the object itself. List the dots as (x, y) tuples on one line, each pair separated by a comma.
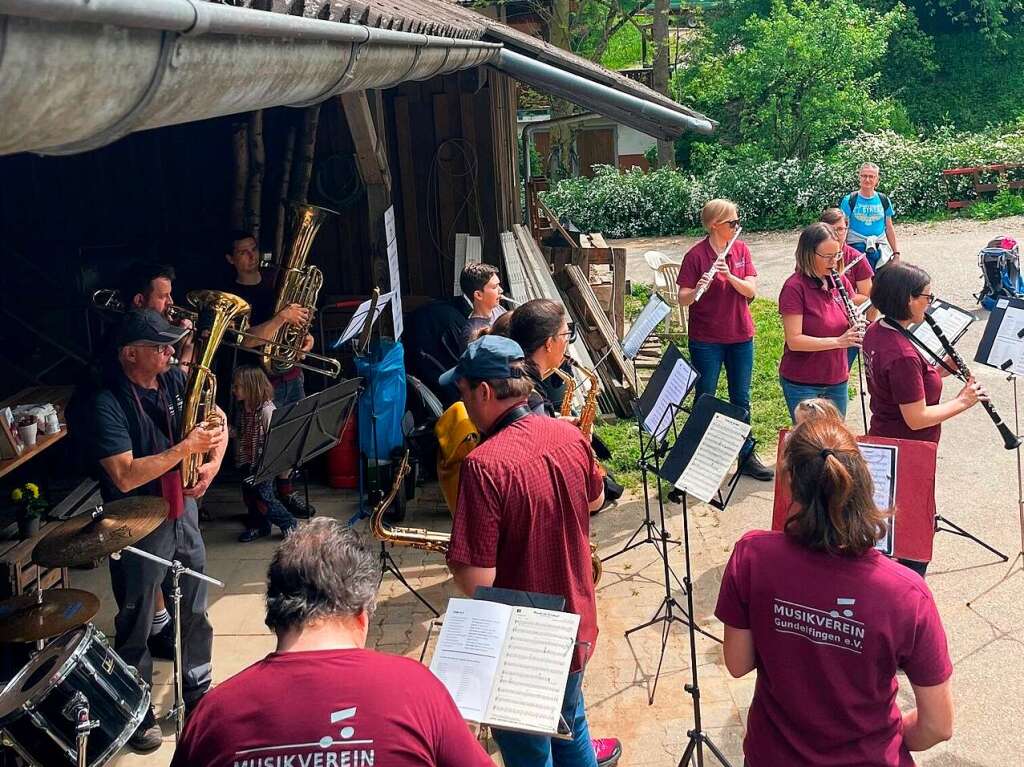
[(289, 392), (521, 750), (738, 359), (851, 356), (795, 393), (263, 506)]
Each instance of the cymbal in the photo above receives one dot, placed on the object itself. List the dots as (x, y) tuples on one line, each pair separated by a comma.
[(26, 618), (87, 537)]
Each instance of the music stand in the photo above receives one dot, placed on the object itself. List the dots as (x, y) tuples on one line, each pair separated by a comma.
[(714, 457), (303, 430)]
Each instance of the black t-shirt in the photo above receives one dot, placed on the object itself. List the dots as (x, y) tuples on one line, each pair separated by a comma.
[(470, 333), (261, 297), (119, 426)]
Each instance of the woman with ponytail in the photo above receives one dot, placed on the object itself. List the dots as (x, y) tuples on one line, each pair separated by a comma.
[(827, 621)]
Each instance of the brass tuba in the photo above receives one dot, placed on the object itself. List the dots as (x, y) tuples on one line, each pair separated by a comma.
[(216, 312), (298, 283), (414, 537)]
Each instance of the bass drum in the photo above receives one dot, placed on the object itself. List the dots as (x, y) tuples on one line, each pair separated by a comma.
[(37, 707)]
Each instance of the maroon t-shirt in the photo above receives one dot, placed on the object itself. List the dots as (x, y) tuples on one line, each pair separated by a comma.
[(523, 510), (722, 316), (898, 375), (861, 270), (824, 317), (329, 707), (830, 633)]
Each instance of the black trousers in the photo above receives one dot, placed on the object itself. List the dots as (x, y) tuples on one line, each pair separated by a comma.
[(136, 581)]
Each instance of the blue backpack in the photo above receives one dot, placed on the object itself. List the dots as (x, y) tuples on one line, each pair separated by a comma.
[(1000, 271)]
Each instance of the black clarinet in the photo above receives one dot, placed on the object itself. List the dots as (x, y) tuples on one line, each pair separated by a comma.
[(852, 315), (1010, 440)]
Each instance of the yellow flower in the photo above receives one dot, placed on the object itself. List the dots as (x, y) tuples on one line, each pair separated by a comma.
[(16, 495), (33, 489)]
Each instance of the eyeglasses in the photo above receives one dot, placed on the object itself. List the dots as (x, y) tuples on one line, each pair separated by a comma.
[(731, 224), (929, 296), (827, 256), (571, 332)]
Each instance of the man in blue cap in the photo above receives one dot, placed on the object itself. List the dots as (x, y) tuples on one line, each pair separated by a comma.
[(530, 485)]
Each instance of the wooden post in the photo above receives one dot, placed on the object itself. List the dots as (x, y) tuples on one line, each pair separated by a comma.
[(282, 195), (306, 150), (256, 167), (240, 146)]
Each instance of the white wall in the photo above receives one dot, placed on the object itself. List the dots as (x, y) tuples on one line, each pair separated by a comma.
[(633, 141)]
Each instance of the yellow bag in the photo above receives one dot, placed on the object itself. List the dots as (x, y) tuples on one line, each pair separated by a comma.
[(456, 437)]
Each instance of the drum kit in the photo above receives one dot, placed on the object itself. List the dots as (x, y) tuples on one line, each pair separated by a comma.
[(76, 702)]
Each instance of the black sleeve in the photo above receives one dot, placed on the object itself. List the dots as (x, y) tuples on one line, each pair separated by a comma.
[(110, 428)]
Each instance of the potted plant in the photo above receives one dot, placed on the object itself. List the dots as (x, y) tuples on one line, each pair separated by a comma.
[(31, 506)]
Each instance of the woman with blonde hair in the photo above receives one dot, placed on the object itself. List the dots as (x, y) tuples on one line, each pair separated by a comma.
[(827, 621), (721, 328)]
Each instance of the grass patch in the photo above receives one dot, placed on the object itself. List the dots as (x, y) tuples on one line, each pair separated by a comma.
[(768, 407)]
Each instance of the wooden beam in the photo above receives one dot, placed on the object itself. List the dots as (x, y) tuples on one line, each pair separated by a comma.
[(371, 158)]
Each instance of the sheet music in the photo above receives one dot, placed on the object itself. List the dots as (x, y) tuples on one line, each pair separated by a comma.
[(355, 325), (679, 381), (649, 318), (713, 457), (394, 272), (531, 682), (881, 463), (951, 321), (1007, 345), (468, 653)]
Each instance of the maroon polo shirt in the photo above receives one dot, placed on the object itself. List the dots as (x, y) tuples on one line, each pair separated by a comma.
[(523, 510), (722, 316), (861, 270), (898, 375), (824, 317)]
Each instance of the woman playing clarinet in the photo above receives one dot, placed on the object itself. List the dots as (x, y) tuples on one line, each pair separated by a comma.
[(717, 280), (816, 322)]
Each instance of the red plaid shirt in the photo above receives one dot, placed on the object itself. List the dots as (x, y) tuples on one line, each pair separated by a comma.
[(523, 510)]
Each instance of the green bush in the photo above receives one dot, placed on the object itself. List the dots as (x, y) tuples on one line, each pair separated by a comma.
[(773, 194)]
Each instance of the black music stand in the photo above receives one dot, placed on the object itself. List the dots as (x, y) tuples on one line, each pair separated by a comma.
[(303, 430), (683, 452)]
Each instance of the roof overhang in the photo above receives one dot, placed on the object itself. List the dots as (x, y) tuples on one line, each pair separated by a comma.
[(646, 116), (78, 74)]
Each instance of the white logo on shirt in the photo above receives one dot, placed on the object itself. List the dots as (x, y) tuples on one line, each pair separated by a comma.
[(829, 628), (360, 753)]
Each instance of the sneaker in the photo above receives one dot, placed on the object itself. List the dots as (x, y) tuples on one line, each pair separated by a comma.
[(754, 469), (147, 736), (254, 533), (298, 506), (607, 751), (161, 644)]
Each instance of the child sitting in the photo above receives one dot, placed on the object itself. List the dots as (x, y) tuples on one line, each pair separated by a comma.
[(255, 395)]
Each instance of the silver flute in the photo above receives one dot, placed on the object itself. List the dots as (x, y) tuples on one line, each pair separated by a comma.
[(711, 272)]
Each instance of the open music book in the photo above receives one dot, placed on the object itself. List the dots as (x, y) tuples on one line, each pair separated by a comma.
[(506, 666)]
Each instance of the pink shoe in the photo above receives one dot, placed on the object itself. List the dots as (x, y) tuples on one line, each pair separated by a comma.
[(607, 750)]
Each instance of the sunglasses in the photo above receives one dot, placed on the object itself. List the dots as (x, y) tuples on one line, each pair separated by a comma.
[(731, 224), (930, 296), (571, 332)]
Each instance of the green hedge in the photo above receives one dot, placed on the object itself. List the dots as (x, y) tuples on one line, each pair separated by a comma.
[(780, 194)]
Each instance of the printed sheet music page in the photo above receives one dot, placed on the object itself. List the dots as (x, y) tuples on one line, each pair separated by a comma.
[(469, 651), (531, 681), (713, 458), (672, 393)]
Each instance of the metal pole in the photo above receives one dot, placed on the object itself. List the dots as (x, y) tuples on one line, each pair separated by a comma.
[(179, 677)]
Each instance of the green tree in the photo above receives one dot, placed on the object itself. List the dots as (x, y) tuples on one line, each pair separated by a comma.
[(796, 80)]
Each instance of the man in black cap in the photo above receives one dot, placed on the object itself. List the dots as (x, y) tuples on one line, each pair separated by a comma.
[(137, 441)]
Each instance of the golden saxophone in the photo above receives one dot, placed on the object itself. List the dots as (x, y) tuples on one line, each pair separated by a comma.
[(586, 424), (299, 283), (413, 537), (215, 313)]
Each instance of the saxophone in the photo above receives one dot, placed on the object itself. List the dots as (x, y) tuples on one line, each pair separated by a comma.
[(586, 424), (216, 312), (414, 537), (299, 283)]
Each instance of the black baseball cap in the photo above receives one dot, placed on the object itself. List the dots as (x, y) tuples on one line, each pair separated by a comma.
[(146, 327), (487, 358)]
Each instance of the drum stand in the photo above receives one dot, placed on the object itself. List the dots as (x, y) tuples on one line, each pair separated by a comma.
[(77, 710), (177, 569)]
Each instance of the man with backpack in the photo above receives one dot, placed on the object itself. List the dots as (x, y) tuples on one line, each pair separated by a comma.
[(870, 215)]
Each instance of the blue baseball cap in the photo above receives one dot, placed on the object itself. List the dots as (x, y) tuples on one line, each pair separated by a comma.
[(490, 357), (146, 327)]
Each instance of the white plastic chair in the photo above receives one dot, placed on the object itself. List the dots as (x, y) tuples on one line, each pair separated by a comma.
[(665, 272)]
